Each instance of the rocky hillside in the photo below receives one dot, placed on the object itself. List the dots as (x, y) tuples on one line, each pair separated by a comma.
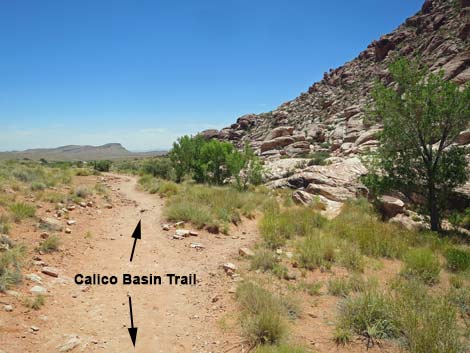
[(76, 153), (330, 116)]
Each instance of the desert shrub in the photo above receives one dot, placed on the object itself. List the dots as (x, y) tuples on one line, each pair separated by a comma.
[(188, 211), (263, 321), (82, 192), (10, 265), (266, 327), (358, 223), (278, 226), (427, 323), (160, 167), (168, 188), (283, 348), (423, 264), (457, 259), (102, 166), (316, 251), (368, 314), (34, 303), (339, 287), (50, 244), (37, 186), (22, 210), (83, 172), (100, 189)]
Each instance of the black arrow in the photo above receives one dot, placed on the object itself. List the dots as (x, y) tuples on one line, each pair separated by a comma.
[(132, 330), (135, 235)]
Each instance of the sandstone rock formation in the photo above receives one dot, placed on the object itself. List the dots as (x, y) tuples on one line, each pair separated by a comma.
[(331, 115)]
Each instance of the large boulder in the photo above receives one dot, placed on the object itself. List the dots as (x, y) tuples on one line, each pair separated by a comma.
[(209, 134), (302, 197), (391, 206), (278, 142), (280, 131), (464, 138), (333, 193), (50, 224)]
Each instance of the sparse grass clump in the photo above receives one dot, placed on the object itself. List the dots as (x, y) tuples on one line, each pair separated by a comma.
[(215, 207), (423, 264), (359, 224), (50, 244), (10, 264), (351, 257), (339, 287), (368, 314), (458, 260), (264, 314), (22, 210), (35, 303), (316, 251), (428, 322), (264, 260), (311, 288), (279, 225)]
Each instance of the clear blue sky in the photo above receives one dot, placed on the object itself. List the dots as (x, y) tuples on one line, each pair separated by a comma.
[(142, 72)]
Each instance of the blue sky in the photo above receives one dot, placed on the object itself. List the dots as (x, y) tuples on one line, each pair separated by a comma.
[(142, 72)]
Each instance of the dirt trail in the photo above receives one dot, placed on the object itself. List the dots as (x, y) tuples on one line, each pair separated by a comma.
[(169, 318)]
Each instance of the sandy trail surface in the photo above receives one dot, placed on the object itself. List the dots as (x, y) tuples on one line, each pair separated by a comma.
[(95, 318)]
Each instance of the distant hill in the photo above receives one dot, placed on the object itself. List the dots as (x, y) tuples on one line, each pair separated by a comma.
[(79, 153)]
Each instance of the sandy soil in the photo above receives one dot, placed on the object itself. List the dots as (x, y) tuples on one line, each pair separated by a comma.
[(169, 318)]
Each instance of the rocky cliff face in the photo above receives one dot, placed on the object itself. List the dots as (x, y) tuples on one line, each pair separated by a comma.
[(330, 116)]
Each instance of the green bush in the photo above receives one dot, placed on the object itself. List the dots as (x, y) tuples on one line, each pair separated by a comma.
[(457, 259), (22, 210), (160, 167), (267, 327), (422, 264), (102, 166)]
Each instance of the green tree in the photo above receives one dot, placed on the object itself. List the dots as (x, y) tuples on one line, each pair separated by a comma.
[(214, 161), (185, 155), (422, 115), (245, 167)]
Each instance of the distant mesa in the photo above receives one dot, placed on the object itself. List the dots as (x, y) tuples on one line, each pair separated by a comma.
[(79, 153)]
